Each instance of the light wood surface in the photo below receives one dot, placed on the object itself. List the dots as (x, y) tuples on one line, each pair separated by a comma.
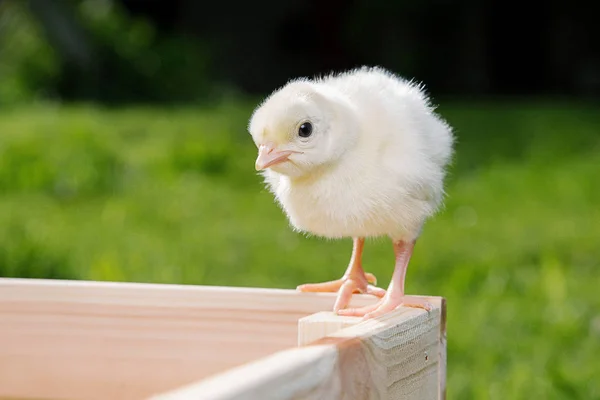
[(102, 340), (319, 325), (400, 356)]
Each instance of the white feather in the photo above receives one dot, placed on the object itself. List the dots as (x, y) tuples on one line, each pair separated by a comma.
[(376, 165)]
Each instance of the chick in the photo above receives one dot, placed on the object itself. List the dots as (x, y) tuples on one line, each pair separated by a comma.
[(355, 155)]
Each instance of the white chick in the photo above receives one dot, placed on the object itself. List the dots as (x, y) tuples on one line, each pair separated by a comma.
[(358, 154)]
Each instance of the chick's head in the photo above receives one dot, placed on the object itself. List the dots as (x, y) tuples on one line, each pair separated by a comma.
[(301, 128)]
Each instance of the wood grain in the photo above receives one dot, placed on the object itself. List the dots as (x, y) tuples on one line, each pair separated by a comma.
[(102, 340), (400, 355)]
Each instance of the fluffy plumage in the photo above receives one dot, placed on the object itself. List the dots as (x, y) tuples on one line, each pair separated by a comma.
[(374, 164)]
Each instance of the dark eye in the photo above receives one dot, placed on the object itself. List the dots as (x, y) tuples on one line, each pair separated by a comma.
[(305, 130)]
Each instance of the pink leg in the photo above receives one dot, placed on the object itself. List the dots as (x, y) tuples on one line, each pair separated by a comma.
[(355, 280), (394, 296)]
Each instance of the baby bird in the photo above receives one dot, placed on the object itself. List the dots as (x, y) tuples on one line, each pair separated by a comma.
[(355, 155)]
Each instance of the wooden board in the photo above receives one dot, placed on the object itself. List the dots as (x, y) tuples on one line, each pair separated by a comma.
[(399, 356), (96, 340)]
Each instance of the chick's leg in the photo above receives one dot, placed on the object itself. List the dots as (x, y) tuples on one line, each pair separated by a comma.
[(394, 297), (355, 280)]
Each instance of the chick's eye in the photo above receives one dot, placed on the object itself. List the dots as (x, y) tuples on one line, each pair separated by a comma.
[(305, 130)]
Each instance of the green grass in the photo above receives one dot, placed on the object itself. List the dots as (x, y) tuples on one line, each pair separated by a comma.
[(154, 195)]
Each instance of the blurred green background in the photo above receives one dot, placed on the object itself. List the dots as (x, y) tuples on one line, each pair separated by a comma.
[(124, 156)]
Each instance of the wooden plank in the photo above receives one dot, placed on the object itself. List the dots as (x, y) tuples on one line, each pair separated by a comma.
[(400, 355), (298, 373), (103, 340)]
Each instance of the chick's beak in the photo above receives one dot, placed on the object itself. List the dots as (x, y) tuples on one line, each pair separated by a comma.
[(268, 156)]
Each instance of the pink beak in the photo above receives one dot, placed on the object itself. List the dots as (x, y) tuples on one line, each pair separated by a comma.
[(268, 156)]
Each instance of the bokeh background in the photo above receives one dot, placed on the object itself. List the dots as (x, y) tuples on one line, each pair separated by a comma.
[(124, 156)]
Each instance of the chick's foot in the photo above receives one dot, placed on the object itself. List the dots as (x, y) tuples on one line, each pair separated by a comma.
[(355, 280), (387, 304), (345, 287)]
